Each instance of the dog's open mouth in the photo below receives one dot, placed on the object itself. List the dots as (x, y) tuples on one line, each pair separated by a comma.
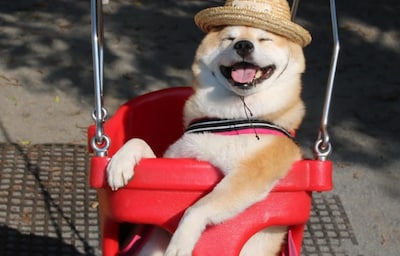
[(246, 75)]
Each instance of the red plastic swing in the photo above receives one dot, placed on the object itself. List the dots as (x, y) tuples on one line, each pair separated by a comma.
[(163, 188)]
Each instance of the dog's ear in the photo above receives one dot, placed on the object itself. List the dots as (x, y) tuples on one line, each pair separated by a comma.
[(217, 28), (297, 59)]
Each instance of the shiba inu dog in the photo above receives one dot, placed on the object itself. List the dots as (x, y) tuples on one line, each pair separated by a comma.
[(241, 118)]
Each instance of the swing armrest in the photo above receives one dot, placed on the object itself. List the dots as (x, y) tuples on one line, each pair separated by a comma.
[(192, 175)]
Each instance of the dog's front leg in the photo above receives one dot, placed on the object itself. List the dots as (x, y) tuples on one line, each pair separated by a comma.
[(185, 237), (120, 168), (250, 182), (224, 202)]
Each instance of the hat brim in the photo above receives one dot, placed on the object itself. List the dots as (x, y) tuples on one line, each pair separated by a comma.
[(230, 16)]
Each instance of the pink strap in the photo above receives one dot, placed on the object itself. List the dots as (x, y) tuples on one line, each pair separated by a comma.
[(138, 241), (252, 131), (290, 249)]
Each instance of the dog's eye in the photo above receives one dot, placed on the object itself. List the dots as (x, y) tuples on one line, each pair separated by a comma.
[(264, 39), (229, 38)]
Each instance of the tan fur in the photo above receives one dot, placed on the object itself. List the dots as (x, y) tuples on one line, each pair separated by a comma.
[(254, 173)]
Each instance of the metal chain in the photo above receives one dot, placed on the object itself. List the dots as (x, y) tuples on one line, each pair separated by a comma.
[(100, 141), (294, 8), (323, 147)]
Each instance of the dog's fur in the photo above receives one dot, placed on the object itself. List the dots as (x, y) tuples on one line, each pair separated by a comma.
[(251, 166)]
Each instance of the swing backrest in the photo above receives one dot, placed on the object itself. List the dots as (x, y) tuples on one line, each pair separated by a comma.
[(155, 117)]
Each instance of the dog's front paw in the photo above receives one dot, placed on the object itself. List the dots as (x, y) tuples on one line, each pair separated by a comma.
[(186, 235), (120, 170), (178, 250), (121, 165), (182, 243)]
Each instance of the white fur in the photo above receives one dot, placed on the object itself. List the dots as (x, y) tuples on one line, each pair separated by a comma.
[(120, 168), (209, 147)]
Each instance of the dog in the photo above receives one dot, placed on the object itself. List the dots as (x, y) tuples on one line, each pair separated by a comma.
[(241, 73)]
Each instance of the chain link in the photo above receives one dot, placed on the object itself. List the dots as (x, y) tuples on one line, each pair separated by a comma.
[(101, 148), (322, 147)]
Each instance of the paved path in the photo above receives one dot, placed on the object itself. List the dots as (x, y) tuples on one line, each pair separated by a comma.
[(46, 87)]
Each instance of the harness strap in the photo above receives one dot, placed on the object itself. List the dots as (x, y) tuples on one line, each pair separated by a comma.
[(237, 127), (137, 241)]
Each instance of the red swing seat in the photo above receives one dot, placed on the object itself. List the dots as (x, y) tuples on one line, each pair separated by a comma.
[(163, 188)]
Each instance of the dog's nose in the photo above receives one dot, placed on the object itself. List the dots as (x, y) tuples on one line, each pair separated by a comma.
[(243, 47)]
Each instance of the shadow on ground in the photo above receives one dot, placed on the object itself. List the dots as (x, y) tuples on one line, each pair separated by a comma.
[(150, 45), (39, 245)]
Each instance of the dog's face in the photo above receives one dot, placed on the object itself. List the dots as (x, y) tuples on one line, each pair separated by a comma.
[(239, 67), (246, 60)]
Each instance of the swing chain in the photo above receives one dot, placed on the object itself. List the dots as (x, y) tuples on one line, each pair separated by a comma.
[(100, 141), (294, 8), (323, 147)]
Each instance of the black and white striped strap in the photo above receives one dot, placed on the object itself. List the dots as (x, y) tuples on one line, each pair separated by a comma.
[(236, 127)]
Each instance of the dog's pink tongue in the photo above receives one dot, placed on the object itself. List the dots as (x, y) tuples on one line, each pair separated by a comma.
[(243, 75)]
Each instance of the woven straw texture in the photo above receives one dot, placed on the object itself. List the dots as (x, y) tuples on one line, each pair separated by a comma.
[(269, 15)]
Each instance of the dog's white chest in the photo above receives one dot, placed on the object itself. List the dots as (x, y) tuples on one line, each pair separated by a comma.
[(221, 151)]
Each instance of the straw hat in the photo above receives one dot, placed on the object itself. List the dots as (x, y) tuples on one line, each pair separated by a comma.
[(269, 15)]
